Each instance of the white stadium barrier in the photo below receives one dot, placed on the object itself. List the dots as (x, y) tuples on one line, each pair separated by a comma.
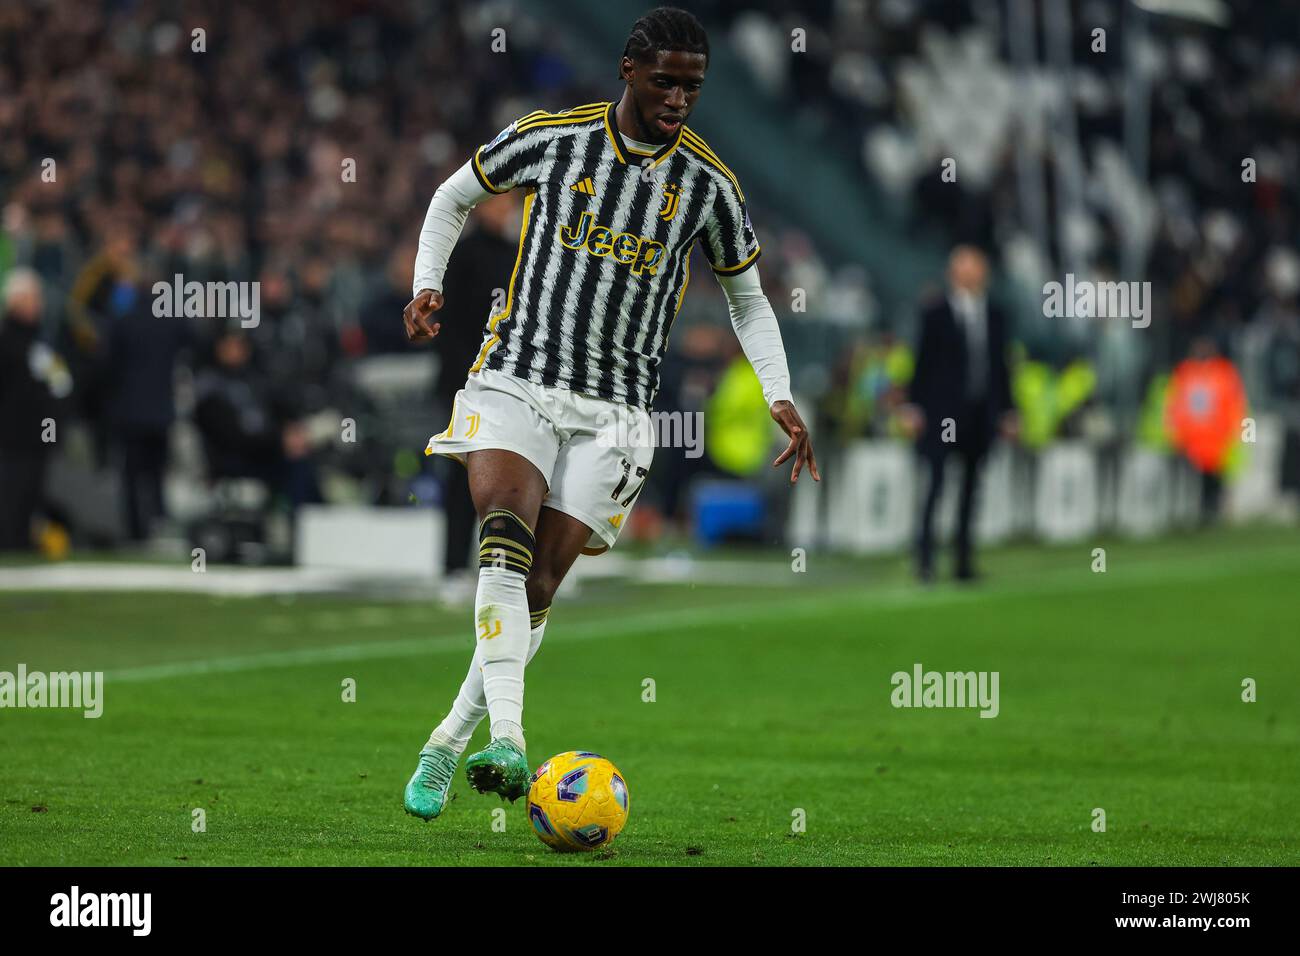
[(1257, 490), (871, 505), (1065, 492), (398, 542), (871, 498), (1145, 480)]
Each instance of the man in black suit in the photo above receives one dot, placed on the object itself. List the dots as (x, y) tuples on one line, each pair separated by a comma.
[(140, 355), (960, 397)]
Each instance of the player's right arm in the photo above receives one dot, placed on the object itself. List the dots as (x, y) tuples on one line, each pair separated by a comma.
[(510, 160), (443, 222)]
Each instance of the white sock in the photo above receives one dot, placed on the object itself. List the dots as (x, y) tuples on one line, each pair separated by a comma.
[(470, 706), (467, 710), (501, 622)]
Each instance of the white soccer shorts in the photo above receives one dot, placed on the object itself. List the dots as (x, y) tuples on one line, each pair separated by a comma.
[(594, 454)]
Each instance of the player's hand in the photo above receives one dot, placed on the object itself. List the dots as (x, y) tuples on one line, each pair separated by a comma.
[(416, 316), (785, 415)]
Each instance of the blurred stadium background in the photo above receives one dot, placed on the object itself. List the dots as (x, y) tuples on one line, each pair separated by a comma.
[(295, 447), (226, 165)]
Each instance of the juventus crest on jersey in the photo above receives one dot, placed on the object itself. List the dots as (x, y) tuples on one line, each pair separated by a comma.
[(604, 249)]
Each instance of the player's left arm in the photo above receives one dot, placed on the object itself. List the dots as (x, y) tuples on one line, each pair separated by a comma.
[(732, 250), (756, 327)]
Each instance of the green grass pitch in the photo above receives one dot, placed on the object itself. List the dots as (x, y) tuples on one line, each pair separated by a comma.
[(1119, 691)]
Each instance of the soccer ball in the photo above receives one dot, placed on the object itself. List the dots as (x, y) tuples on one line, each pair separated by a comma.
[(577, 801)]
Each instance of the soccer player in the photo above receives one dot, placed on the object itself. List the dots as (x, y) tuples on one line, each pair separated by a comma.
[(616, 194)]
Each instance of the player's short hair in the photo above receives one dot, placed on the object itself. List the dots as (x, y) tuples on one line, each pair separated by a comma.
[(666, 29)]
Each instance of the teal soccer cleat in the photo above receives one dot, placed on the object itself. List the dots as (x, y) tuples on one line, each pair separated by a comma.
[(426, 792), (500, 767)]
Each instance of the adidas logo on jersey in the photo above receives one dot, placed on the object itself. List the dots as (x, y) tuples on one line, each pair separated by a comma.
[(642, 254), (584, 186)]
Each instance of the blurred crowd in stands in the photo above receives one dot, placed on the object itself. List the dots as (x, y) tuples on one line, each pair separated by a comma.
[(1214, 224), (297, 145), (292, 144), (913, 83)]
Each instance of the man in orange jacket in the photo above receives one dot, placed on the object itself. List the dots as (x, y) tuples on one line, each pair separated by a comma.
[(1207, 403)]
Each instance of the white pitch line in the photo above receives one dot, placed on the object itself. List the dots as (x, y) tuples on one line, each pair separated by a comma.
[(223, 581), (409, 647), (262, 582), (1061, 581)]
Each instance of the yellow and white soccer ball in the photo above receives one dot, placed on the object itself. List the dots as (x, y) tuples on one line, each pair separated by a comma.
[(577, 801)]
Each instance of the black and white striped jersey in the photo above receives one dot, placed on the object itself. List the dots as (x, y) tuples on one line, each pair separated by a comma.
[(604, 249)]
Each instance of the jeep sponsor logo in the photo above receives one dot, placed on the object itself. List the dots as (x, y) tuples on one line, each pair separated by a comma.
[(642, 254)]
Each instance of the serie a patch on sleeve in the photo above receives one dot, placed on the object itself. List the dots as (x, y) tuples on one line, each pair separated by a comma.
[(502, 135)]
